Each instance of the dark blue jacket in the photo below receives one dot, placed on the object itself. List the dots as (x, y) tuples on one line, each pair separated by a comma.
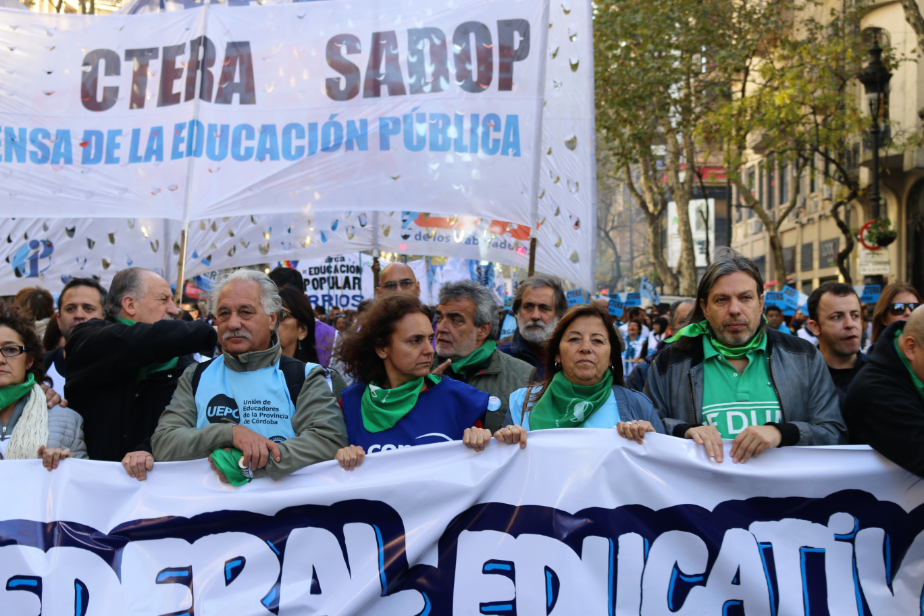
[(518, 348)]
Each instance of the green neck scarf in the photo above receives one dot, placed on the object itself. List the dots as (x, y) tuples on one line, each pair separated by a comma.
[(695, 330), (918, 384), (226, 462), (566, 405), (478, 357), (12, 393), (144, 372), (383, 408)]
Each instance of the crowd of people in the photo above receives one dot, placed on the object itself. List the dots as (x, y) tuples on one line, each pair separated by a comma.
[(266, 384)]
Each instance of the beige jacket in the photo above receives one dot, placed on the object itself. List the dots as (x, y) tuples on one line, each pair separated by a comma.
[(318, 422)]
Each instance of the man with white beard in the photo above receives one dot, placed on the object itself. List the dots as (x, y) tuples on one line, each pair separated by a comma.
[(537, 305)]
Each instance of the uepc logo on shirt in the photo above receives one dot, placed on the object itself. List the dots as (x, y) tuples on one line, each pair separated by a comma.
[(222, 407)]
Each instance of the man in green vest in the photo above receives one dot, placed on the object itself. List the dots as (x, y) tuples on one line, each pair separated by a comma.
[(466, 350), (729, 376)]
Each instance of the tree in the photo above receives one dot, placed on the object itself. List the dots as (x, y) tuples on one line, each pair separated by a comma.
[(650, 96), (794, 100)]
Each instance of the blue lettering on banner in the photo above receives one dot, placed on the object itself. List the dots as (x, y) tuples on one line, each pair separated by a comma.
[(774, 298), (575, 297), (633, 299), (493, 134), (508, 302), (791, 297), (847, 552), (509, 326)]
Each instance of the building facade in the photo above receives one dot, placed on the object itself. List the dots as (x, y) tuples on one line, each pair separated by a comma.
[(810, 235)]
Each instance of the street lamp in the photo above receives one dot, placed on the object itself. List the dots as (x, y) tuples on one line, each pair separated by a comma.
[(875, 79)]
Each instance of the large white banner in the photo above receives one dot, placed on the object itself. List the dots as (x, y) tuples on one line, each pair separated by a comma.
[(309, 107), (578, 522)]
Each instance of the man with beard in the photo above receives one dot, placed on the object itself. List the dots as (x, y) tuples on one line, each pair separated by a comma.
[(466, 324), (728, 376), (122, 371), (537, 305), (835, 318)]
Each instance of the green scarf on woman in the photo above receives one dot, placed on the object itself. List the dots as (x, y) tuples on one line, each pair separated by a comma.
[(566, 405), (383, 408), (12, 393), (695, 330), (144, 372)]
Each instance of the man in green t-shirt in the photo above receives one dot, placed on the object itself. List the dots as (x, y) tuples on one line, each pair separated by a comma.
[(729, 376)]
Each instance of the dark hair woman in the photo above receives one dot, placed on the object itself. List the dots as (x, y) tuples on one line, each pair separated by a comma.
[(296, 326), (28, 429), (897, 302), (395, 401), (584, 386)]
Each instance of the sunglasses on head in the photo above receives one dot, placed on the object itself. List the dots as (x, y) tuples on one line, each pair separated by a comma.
[(898, 308)]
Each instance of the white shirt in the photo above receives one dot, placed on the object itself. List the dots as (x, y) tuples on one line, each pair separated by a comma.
[(624, 328), (805, 334)]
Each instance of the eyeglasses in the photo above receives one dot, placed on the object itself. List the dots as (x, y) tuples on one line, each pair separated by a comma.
[(406, 285), (898, 308), (283, 315), (12, 350)]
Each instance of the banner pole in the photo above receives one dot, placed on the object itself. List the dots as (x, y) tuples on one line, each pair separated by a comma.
[(181, 275), (190, 170), (537, 145)]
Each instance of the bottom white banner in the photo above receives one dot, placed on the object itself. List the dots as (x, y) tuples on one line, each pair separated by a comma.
[(578, 522)]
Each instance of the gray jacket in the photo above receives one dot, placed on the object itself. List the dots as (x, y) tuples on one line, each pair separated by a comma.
[(65, 429), (798, 374), (318, 421)]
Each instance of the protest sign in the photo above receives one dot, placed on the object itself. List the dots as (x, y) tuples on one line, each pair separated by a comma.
[(299, 108), (616, 306), (578, 522), (341, 281), (575, 297)]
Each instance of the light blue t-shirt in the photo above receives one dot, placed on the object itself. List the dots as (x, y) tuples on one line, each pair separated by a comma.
[(607, 416)]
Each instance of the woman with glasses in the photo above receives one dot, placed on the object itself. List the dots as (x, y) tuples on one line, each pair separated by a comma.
[(28, 428), (897, 302), (296, 333), (584, 385), (395, 402)]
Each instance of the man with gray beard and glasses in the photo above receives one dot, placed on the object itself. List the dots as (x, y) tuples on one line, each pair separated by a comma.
[(537, 305), (253, 411)]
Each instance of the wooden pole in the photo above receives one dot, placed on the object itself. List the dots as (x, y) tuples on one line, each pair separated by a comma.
[(181, 276), (532, 256), (376, 269)]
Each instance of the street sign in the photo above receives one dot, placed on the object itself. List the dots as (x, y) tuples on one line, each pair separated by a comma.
[(875, 262)]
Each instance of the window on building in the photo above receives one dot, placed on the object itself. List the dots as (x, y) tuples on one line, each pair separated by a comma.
[(812, 176), (784, 183), (771, 182), (808, 255), (751, 179)]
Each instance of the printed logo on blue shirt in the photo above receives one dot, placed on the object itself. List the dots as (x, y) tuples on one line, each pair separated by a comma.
[(222, 407)]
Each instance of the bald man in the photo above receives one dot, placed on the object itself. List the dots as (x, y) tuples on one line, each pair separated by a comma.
[(885, 402), (397, 277)]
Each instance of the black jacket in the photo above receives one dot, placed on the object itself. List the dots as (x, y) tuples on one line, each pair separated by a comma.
[(103, 360), (883, 408), (518, 349)]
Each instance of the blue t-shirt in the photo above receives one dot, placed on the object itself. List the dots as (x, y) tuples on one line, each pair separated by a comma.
[(607, 416), (442, 413)]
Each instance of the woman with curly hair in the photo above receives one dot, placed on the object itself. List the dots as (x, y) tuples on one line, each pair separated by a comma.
[(395, 401), (28, 429)]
